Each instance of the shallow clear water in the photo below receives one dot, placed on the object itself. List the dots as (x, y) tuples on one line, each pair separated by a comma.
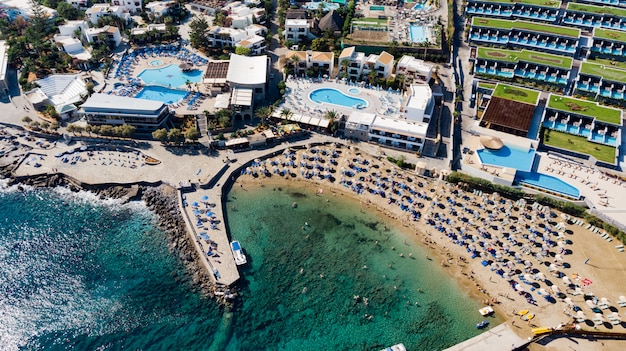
[(157, 93), (301, 282), (508, 156), (87, 275), (335, 97)]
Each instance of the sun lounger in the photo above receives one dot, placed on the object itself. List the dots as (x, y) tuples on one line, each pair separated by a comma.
[(622, 301), (588, 226)]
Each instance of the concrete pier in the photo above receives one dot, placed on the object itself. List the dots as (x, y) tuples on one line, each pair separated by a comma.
[(501, 337)]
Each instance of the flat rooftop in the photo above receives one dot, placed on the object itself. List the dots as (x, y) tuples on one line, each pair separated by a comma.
[(542, 3), (518, 94), (609, 34), (515, 56), (600, 10), (585, 108), (606, 72), (509, 114), (525, 25)]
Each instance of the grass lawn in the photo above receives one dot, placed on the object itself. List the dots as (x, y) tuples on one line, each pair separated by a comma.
[(609, 34), (597, 9), (516, 94), (378, 21), (526, 25), (616, 64), (585, 108), (486, 85), (526, 56), (579, 144), (611, 74), (544, 3)]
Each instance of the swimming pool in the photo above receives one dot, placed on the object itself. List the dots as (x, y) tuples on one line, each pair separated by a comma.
[(421, 6), (158, 93), (155, 62), (418, 33), (377, 8), (336, 97), (354, 91), (170, 76), (547, 182), (508, 156)]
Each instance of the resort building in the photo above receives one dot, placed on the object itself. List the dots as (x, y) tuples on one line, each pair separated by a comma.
[(4, 62), (417, 69), (297, 26), (209, 7), (242, 16), (510, 110), (601, 81), (67, 41), (154, 27), (525, 64), (388, 131), (132, 6), (593, 16), (247, 78), (100, 10), (117, 110), (253, 35), (332, 22), (358, 65), (418, 104), (112, 34), (320, 63), (609, 43), (545, 11), (525, 35), (159, 8), (585, 118), (61, 91), (79, 4)]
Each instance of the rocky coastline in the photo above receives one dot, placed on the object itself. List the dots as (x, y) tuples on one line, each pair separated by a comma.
[(161, 199)]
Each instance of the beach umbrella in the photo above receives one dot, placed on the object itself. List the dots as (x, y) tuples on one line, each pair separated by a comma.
[(205, 198), (591, 304), (194, 204), (491, 142)]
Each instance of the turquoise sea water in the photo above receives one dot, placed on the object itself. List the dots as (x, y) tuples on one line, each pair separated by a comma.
[(301, 282), (92, 275), (77, 273)]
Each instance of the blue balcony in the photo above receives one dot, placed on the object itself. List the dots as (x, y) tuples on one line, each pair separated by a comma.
[(585, 132), (597, 137), (611, 140)]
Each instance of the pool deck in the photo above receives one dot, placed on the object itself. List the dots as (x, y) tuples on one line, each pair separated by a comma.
[(380, 102)]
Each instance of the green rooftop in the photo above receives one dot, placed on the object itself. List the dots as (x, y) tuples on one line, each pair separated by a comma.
[(579, 144), (544, 3), (610, 34), (601, 10), (486, 85), (514, 93), (525, 56), (607, 62), (585, 108), (525, 25), (610, 73)]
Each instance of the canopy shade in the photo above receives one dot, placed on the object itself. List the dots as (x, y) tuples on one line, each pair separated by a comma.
[(491, 142)]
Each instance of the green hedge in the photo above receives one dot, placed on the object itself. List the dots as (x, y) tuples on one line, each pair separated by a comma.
[(482, 184)]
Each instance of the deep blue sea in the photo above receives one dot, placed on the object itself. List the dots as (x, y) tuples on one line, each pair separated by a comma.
[(78, 273)]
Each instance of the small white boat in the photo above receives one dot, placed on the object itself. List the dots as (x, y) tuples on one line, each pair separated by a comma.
[(240, 257), (485, 311), (397, 347)]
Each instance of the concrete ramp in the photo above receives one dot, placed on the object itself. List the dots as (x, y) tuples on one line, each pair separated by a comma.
[(499, 338)]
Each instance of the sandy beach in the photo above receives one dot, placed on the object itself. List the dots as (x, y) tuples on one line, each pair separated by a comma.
[(515, 268)]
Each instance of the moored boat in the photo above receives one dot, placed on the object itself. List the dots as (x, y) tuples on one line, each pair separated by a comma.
[(397, 347), (482, 324), (485, 311), (240, 257)]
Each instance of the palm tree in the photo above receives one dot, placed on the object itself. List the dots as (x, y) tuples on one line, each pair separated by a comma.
[(263, 113), (332, 117), (344, 66), (286, 113), (295, 59)]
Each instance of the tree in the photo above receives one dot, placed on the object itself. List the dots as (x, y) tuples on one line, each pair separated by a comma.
[(241, 50), (333, 123), (197, 33), (67, 11), (26, 119), (286, 113), (106, 130), (71, 128), (192, 134), (128, 130), (224, 117), (34, 124), (45, 125), (263, 113), (174, 135), (54, 126), (160, 135)]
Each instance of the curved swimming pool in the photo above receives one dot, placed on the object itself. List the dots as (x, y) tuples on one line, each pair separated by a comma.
[(336, 97), (158, 93), (170, 76)]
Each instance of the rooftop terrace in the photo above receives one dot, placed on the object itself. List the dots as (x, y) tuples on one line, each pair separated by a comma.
[(487, 85), (526, 56), (610, 73), (525, 25), (518, 94), (609, 34), (579, 144), (601, 10), (585, 108), (544, 3)]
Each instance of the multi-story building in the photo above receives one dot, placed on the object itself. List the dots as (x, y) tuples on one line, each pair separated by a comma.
[(547, 11), (592, 16), (159, 8), (101, 10), (253, 37), (96, 35), (298, 27), (4, 62), (321, 63), (417, 69), (601, 81), (358, 65), (351, 62), (609, 43), (117, 110), (381, 64), (132, 6)]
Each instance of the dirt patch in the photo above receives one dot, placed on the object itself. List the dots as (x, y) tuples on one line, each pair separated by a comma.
[(370, 35), (546, 59), (575, 107), (496, 54)]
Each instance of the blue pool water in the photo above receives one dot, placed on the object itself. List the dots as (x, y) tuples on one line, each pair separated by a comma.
[(170, 75), (547, 182), (155, 62), (509, 157), (418, 33), (421, 6), (335, 97), (158, 93), (354, 91)]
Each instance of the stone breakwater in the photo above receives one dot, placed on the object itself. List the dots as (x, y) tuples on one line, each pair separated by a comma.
[(161, 199)]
